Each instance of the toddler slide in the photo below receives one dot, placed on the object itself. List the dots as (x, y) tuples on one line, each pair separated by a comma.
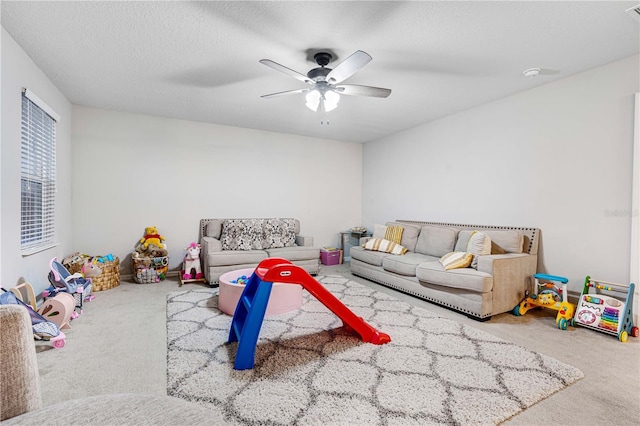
[(250, 310)]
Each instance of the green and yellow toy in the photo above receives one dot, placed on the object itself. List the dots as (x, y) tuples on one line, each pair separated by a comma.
[(548, 295)]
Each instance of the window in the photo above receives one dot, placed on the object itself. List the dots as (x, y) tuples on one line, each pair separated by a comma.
[(38, 174)]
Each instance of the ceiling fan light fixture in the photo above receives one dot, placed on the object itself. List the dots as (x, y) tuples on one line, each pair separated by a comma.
[(315, 99), (331, 100), (324, 96)]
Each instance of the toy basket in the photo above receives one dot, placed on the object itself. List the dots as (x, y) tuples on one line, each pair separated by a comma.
[(108, 279), (73, 263), (110, 276), (147, 270)]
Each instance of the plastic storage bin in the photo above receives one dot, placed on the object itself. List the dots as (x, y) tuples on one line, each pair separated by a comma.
[(330, 257)]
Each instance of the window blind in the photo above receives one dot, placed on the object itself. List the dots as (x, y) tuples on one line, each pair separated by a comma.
[(38, 176)]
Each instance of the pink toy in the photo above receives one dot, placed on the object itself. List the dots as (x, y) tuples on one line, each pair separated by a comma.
[(285, 297), (59, 309), (90, 269), (192, 263)]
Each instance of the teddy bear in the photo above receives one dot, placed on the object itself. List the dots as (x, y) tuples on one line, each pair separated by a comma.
[(151, 236), (155, 251)]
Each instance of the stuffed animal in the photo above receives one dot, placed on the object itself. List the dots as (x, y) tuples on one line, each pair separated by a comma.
[(151, 236), (90, 269), (154, 251), (192, 262)]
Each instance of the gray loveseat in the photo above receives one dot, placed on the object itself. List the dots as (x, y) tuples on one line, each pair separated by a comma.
[(231, 244), (497, 285)]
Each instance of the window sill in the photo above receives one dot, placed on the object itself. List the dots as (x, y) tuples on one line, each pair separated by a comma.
[(38, 249)]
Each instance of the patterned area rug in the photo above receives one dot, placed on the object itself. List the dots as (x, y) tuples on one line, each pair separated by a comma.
[(311, 370)]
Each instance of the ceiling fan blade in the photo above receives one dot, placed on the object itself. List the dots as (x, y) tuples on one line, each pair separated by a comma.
[(287, 92), (295, 74), (356, 90), (348, 67)]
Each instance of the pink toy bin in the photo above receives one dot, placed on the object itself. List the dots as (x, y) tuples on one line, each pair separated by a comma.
[(284, 297)]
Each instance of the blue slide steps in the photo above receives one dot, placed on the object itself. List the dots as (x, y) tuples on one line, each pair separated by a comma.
[(247, 320)]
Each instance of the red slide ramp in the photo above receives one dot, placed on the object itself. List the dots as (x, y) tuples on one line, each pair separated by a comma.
[(251, 307)]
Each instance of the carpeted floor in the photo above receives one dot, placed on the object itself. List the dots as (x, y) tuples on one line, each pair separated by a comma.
[(310, 370)]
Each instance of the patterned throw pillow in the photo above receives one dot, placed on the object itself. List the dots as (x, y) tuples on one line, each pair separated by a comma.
[(279, 233), (456, 259), (479, 244), (386, 246), (394, 233), (242, 234)]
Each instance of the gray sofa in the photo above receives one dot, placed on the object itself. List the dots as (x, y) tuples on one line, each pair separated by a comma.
[(497, 285), (231, 244)]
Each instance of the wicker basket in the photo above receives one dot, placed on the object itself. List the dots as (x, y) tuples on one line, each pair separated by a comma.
[(110, 276), (73, 263), (108, 279), (147, 270)]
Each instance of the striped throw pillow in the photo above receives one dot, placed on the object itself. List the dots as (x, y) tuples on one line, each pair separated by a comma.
[(456, 259), (479, 244), (394, 233), (383, 245)]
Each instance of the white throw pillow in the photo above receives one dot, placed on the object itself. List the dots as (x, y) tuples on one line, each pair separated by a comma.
[(479, 244), (379, 231)]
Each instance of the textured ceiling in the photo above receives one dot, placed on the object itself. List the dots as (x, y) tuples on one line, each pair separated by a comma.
[(199, 60)]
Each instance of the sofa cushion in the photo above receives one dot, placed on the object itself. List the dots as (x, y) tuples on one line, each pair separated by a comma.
[(507, 240), (295, 252), (409, 234), (214, 228), (436, 240), (502, 240), (380, 244), (456, 260), (463, 240), (374, 258), (405, 265), (465, 278), (236, 257)]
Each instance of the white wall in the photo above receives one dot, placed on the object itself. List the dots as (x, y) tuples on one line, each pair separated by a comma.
[(634, 269), (132, 171), (558, 157), (19, 71)]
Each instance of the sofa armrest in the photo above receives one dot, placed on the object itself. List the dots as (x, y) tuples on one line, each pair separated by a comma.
[(304, 241), (512, 274), (210, 245), (19, 379)]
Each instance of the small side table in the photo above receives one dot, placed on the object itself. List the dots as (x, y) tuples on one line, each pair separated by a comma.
[(347, 237)]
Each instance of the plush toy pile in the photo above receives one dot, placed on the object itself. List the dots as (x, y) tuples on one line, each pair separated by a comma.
[(150, 262)]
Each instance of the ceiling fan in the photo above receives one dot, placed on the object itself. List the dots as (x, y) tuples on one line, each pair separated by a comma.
[(326, 88)]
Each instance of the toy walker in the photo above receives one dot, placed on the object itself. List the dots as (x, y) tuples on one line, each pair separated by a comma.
[(548, 295), (606, 313)]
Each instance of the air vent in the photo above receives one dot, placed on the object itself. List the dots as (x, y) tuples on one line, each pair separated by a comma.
[(634, 12)]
